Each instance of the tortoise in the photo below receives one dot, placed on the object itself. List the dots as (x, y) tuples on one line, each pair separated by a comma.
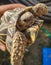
[(19, 28)]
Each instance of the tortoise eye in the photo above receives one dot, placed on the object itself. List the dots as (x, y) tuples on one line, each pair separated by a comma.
[(28, 19), (25, 20)]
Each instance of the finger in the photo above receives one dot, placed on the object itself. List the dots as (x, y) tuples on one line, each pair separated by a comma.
[(2, 47), (4, 8)]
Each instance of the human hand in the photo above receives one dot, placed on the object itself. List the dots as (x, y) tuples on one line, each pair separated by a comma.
[(4, 8)]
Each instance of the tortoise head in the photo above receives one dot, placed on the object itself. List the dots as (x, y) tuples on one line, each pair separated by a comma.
[(28, 16), (40, 9), (26, 20)]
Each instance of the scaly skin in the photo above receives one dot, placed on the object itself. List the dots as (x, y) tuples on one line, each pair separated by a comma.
[(18, 48)]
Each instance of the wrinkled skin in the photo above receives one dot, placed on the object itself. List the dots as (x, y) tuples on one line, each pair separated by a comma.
[(20, 27)]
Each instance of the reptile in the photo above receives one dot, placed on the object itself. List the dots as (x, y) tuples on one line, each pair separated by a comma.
[(19, 28)]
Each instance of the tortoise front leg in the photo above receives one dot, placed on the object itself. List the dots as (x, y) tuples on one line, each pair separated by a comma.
[(18, 48), (31, 32)]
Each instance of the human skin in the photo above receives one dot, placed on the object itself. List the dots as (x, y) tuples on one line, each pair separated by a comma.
[(4, 8)]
